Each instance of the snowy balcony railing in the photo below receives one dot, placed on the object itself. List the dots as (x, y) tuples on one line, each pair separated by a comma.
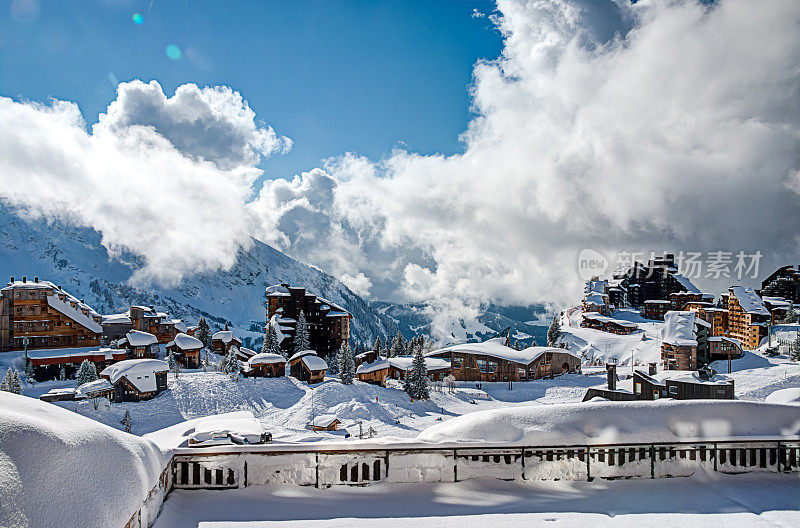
[(324, 467)]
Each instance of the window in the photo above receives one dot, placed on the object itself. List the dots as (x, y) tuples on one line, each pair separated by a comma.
[(522, 373), (638, 388), (492, 367), (482, 366), (673, 389), (458, 363), (655, 394)]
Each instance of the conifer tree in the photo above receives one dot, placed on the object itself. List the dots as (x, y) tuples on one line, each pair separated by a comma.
[(86, 373), (333, 362), (301, 341), (417, 378), (232, 364), (8, 384), (347, 365), (62, 373), (174, 366), (30, 375), (794, 351), (397, 346), (204, 332), (126, 421), (378, 346), (554, 332)]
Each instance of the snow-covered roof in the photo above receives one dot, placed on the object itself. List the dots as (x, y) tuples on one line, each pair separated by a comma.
[(241, 424), (686, 283), (266, 358), (61, 391), (226, 336), (88, 389), (323, 420), (496, 348), (688, 376), (141, 373), (656, 301), (593, 423), (431, 363), (186, 342), (247, 351), (366, 368), (138, 338), (749, 301), (596, 286), (100, 354), (604, 319), (302, 353), (333, 306), (595, 298), (777, 301), (76, 315), (120, 318), (679, 328), (179, 325), (69, 469), (314, 363), (277, 290), (735, 341)]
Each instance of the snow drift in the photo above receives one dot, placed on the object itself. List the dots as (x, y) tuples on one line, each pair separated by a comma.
[(62, 469), (619, 422)]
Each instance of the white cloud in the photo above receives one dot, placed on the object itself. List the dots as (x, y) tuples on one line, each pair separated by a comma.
[(360, 283), (662, 125), (155, 176)]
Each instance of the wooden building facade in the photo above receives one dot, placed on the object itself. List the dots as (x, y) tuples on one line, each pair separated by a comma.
[(308, 366)]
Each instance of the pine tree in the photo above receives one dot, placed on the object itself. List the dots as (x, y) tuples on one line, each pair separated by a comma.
[(126, 421), (232, 364), (334, 362), (378, 346), (30, 375), (397, 346), (11, 383), (204, 332), (301, 341), (174, 366), (347, 365), (417, 382), (86, 373), (554, 332), (62, 373), (794, 352), (271, 344)]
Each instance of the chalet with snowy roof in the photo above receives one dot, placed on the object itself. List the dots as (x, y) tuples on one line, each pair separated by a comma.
[(655, 309), (608, 324), (724, 347), (783, 283), (324, 422), (374, 372), (265, 365), (244, 354), (142, 319), (778, 307), (140, 345), (100, 388), (222, 341), (186, 350), (328, 323), (684, 341), (595, 297), (47, 363), (675, 384), (493, 361), (400, 366), (369, 356), (46, 316), (307, 366), (61, 394), (115, 326), (748, 318), (136, 379)]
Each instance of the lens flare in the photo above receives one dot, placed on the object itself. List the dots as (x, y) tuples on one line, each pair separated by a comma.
[(138, 19), (173, 52)]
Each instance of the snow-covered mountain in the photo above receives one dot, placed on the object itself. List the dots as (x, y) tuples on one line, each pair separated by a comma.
[(527, 322), (75, 259)]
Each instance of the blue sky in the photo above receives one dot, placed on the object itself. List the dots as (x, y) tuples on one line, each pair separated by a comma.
[(333, 76)]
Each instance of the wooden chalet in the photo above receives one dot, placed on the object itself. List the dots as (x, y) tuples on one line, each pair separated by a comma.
[(676, 384), (324, 422), (722, 348), (47, 363), (46, 316), (684, 341), (136, 379), (186, 350), (307, 366), (147, 319), (608, 324), (265, 365), (370, 356), (374, 372), (437, 368), (222, 341), (493, 361), (328, 323), (140, 345)]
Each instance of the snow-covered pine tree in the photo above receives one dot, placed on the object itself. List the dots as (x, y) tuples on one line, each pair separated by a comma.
[(418, 378), (794, 351), (232, 366), (397, 346), (347, 365), (126, 421), (301, 341), (271, 344), (204, 332), (378, 346), (62, 373), (174, 366), (333, 362), (86, 373), (554, 332), (30, 374), (4, 384), (14, 383)]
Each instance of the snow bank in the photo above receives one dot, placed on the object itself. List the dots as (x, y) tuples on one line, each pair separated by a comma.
[(61, 469), (790, 395), (619, 422)]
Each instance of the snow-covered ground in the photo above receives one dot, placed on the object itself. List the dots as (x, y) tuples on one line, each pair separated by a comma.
[(704, 500), (596, 346)]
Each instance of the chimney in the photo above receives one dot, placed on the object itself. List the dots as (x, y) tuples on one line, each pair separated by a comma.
[(12, 278), (611, 374), (651, 368), (23, 279), (82, 302), (36, 278)]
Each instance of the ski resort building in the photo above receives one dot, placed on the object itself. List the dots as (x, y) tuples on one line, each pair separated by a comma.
[(684, 341), (46, 316), (47, 363), (596, 297), (723, 347), (493, 361), (375, 372), (136, 379), (784, 282), (608, 324), (655, 309), (222, 341), (717, 317), (675, 384), (324, 422), (143, 319), (328, 323), (400, 366), (265, 365), (140, 345), (307, 366), (748, 318), (636, 283), (186, 350)]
